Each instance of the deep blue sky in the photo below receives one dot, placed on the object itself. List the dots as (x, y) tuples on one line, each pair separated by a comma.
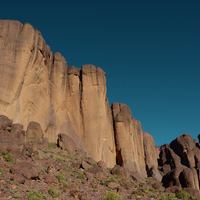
[(150, 51)]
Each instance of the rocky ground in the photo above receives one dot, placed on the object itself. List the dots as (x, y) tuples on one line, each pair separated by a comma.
[(52, 173)]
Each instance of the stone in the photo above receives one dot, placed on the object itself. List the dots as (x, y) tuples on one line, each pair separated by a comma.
[(34, 130), (136, 177), (66, 143), (113, 186), (158, 186), (98, 173), (49, 179), (154, 173), (190, 178), (166, 168), (173, 189), (10, 143), (193, 192), (121, 171), (5, 123), (27, 170), (85, 165), (89, 176), (16, 128)]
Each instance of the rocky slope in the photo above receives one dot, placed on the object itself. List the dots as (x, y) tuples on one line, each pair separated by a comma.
[(39, 86), (32, 168)]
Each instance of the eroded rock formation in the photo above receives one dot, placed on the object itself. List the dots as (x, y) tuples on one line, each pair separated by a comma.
[(180, 162), (39, 86)]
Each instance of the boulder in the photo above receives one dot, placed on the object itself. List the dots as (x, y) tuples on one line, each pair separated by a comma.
[(98, 173), (158, 186), (154, 173), (25, 169), (5, 123), (9, 142), (190, 178), (113, 186), (34, 130), (121, 171), (173, 189), (193, 192), (66, 143)]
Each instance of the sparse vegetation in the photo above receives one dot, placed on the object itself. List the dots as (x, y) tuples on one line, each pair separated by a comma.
[(34, 195), (7, 157), (54, 192), (82, 176), (62, 179), (52, 145), (112, 196), (168, 196), (108, 180), (182, 194)]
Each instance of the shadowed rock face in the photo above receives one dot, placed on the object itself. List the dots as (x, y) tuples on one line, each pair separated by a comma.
[(39, 86), (180, 162)]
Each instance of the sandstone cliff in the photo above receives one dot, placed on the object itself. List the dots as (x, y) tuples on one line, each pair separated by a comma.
[(39, 86)]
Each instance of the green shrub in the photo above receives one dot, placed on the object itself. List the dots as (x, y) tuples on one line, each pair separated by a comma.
[(72, 157), (143, 190), (194, 198), (38, 157), (12, 191), (54, 192), (153, 196), (7, 157), (58, 159), (62, 179), (168, 196), (94, 164), (112, 196), (1, 171), (141, 184), (45, 196), (16, 196), (108, 180), (182, 194), (52, 145), (34, 195), (150, 179), (60, 154), (138, 193), (82, 176)]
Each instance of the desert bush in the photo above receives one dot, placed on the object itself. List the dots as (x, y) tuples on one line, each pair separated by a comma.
[(138, 193), (82, 176), (16, 196), (153, 196), (7, 157), (168, 196), (112, 196), (108, 180), (52, 145), (34, 195), (182, 194), (62, 179), (54, 192)]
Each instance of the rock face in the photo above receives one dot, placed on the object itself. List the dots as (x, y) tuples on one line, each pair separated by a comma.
[(180, 162), (39, 86), (135, 149)]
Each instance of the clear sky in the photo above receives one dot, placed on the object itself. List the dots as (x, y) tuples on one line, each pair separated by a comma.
[(149, 49)]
